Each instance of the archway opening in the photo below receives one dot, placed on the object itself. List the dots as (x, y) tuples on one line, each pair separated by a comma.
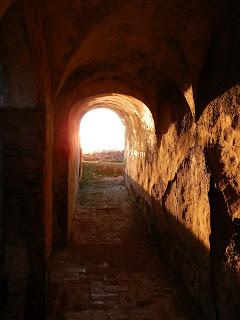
[(102, 144), (139, 153)]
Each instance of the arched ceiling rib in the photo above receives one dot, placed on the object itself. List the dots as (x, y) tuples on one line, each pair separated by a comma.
[(128, 108)]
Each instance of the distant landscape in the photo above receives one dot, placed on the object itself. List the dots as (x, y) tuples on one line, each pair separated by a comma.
[(105, 156)]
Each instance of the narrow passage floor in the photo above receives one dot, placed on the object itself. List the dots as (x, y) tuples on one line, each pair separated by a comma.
[(111, 270)]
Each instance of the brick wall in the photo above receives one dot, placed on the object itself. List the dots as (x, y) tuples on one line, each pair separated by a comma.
[(23, 207), (3, 288)]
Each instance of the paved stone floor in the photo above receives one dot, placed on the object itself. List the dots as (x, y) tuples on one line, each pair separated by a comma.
[(112, 270)]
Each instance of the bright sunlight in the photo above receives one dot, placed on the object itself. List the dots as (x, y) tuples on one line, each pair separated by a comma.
[(101, 129)]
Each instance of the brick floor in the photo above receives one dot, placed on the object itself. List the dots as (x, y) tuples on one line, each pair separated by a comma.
[(111, 270)]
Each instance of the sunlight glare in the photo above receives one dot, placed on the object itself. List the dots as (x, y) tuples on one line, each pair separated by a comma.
[(101, 129)]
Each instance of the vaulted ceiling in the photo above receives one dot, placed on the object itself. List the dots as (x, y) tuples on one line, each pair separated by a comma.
[(147, 44)]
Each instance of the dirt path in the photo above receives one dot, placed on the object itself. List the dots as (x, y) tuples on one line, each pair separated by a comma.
[(111, 270)]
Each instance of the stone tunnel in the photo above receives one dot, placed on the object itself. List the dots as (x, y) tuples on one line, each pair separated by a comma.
[(171, 71)]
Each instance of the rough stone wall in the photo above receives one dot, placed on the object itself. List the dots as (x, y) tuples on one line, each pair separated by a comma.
[(189, 192), (219, 126), (73, 167), (60, 182), (3, 289), (22, 138)]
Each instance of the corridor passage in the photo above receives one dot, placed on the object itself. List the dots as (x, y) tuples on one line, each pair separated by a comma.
[(112, 270)]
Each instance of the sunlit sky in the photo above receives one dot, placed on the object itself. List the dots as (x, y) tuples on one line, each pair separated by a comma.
[(101, 129)]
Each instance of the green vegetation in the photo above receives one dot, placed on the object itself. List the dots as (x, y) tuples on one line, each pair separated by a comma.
[(93, 171)]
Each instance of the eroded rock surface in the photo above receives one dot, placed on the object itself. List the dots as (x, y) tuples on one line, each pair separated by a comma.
[(194, 204)]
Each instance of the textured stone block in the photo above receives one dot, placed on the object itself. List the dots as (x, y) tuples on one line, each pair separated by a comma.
[(20, 166)]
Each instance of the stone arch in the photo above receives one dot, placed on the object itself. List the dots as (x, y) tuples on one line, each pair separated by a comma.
[(140, 136)]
